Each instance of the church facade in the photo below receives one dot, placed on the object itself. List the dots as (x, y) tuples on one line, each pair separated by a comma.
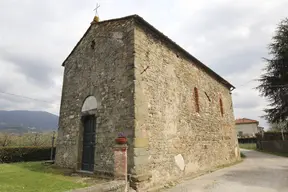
[(126, 76)]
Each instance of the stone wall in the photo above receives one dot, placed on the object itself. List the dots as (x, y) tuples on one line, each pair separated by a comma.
[(145, 88), (100, 66), (180, 141)]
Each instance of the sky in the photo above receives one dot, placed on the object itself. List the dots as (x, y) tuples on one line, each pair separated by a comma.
[(229, 36)]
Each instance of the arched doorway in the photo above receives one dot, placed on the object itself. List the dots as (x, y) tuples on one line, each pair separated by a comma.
[(89, 104), (89, 136)]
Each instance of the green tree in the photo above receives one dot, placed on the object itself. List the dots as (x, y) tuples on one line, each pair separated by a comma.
[(274, 82), (278, 127), (5, 139)]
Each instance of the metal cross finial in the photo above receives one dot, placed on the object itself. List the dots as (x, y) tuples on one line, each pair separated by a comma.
[(96, 9)]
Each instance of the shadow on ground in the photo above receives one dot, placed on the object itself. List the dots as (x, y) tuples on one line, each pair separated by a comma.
[(273, 178)]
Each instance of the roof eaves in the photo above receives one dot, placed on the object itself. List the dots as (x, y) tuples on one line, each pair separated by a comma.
[(246, 123), (63, 64)]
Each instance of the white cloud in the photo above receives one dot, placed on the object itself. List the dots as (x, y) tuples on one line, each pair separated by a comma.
[(229, 36)]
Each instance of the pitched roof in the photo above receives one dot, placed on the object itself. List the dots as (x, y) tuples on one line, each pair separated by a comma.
[(165, 39), (245, 121)]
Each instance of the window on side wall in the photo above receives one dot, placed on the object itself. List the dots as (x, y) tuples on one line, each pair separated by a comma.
[(196, 98), (221, 107)]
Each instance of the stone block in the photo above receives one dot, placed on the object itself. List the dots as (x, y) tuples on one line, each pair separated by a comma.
[(141, 160), (140, 152), (141, 142), (141, 177)]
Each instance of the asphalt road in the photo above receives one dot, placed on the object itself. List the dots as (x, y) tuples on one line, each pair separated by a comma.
[(259, 172)]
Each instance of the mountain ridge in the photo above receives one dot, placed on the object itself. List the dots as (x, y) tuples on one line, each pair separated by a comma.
[(21, 120)]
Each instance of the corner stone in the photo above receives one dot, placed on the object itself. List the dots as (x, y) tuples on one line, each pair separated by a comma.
[(141, 142)]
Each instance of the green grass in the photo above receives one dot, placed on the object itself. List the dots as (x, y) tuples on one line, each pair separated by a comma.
[(34, 177), (251, 146), (242, 155)]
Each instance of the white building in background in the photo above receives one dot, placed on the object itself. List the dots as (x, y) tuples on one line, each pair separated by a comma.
[(247, 127)]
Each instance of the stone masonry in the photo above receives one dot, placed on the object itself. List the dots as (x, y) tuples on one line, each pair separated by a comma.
[(104, 71), (181, 141), (145, 87)]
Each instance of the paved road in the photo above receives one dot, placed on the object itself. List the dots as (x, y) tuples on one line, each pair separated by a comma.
[(259, 172)]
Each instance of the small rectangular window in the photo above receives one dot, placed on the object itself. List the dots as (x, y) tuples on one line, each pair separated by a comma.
[(196, 97), (221, 107)]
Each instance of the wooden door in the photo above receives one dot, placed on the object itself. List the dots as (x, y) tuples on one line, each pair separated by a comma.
[(88, 143)]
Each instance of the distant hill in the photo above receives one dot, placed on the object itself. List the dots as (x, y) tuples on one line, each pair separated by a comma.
[(24, 121)]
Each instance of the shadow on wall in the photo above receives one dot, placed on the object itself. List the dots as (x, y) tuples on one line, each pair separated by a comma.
[(274, 178)]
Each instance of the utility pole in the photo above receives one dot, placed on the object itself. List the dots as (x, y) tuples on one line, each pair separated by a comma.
[(52, 146)]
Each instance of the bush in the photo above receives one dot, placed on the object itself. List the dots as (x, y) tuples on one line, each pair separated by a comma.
[(26, 139), (242, 155), (251, 146), (18, 154)]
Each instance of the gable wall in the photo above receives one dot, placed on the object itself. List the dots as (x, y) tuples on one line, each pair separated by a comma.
[(105, 72), (166, 112)]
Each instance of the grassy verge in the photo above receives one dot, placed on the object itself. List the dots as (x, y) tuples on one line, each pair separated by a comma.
[(242, 155), (251, 146), (35, 177)]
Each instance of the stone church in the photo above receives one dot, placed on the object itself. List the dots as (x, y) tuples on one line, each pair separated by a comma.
[(126, 76)]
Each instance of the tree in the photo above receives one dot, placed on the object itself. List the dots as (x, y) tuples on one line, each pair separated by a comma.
[(5, 139), (278, 127), (274, 82), (35, 139)]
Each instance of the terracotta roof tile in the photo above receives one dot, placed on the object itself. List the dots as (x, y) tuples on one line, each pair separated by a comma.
[(245, 121)]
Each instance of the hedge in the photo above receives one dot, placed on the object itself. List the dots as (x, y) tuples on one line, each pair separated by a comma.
[(18, 154)]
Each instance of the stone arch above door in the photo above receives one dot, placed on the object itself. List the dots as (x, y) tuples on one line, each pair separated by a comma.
[(89, 104)]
